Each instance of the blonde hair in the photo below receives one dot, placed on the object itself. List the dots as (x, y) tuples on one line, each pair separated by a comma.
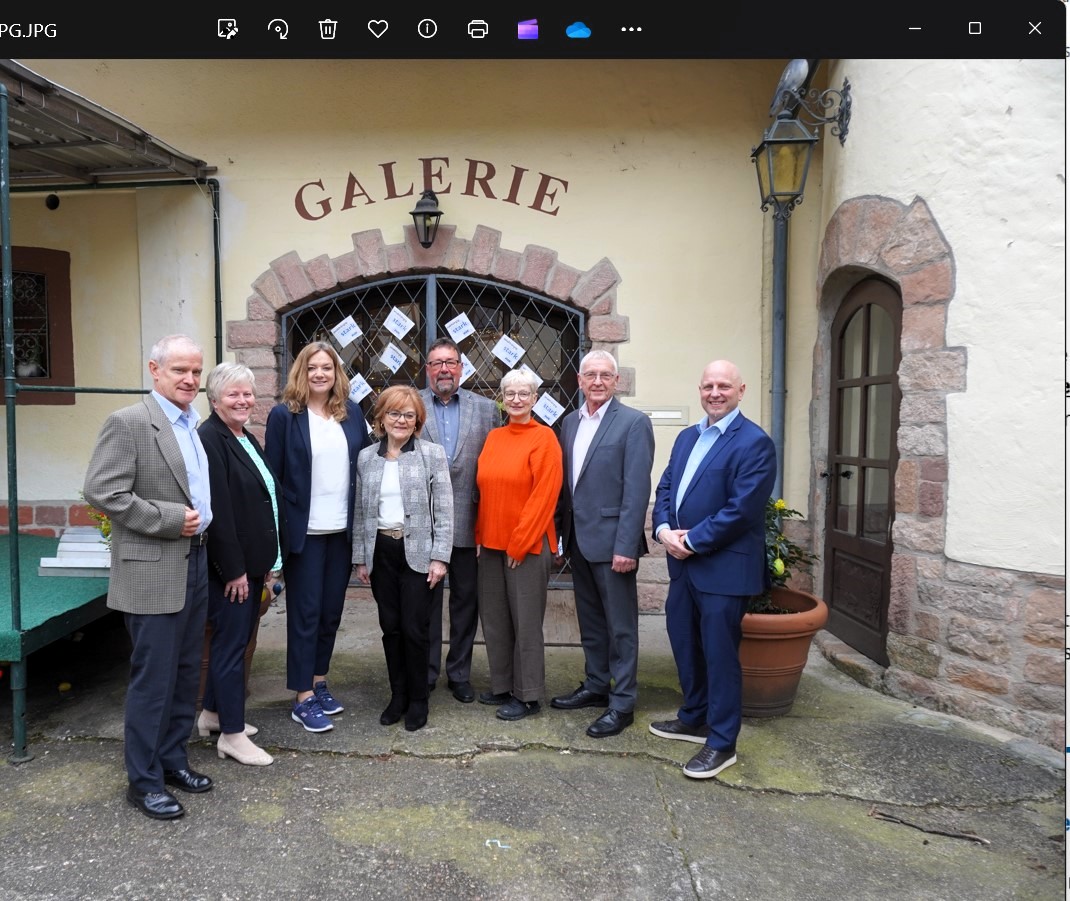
[(394, 397), (295, 395)]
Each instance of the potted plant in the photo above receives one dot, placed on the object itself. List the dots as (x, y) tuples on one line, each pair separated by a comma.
[(780, 623)]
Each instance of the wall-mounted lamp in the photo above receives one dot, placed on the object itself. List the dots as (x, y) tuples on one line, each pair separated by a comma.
[(782, 161), (425, 217)]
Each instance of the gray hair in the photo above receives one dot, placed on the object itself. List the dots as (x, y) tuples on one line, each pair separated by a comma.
[(226, 374), (520, 378), (603, 356), (162, 349)]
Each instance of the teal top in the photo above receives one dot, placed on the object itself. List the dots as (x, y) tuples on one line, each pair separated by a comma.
[(269, 480)]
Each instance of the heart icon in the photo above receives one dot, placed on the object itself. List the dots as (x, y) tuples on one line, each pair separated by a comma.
[(378, 27)]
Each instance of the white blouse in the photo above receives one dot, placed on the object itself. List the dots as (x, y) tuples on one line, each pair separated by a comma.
[(329, 503), (391, 509)]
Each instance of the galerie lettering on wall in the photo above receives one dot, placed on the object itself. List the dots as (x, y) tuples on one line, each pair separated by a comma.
[(314, 201)]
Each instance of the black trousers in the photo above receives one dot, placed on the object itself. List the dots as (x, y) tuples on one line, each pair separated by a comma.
[(464, 618), (404, 601), (232, 627)]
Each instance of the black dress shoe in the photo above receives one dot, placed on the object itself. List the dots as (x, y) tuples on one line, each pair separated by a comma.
[(709, 762), (515, 709), (188, 780), (581, 697), (463, 691), (493, 698), (155, 805), (612, 722)]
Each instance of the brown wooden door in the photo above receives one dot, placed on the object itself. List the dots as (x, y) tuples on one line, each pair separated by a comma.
[(863, 421)]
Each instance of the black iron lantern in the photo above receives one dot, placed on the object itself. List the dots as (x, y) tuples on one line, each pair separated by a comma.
[(782, 161), (425, 217)]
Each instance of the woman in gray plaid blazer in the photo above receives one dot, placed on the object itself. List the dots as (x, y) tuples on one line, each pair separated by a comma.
[(402, 542)]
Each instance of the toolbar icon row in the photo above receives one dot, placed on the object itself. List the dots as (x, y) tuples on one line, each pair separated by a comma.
[(526, 29)]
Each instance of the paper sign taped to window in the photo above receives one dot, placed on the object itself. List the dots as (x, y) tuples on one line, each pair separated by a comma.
[(508, 351), (547, 409), (398, 323), (358, 388), (393, 357), (467, 369), (347, 331), (460, 327)]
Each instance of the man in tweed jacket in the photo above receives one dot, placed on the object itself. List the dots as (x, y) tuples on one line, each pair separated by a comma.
[(149, 473), (459, 420)]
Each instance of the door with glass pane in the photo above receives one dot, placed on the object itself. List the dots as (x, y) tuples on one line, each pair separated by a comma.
[(863, 421)]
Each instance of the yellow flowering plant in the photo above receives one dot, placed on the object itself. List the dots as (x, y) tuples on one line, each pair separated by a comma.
[(782, 555), (102, 520)]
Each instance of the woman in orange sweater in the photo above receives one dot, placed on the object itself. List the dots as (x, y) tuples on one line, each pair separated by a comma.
[(519, 480)]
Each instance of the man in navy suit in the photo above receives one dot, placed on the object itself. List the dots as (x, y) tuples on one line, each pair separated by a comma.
[(607, 453), (709, 513)]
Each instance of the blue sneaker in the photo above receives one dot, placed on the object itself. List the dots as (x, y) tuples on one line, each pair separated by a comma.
[(328, 702), (310, 715)]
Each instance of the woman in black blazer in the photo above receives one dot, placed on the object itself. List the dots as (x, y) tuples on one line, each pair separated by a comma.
[(245, 543), (312, 441)]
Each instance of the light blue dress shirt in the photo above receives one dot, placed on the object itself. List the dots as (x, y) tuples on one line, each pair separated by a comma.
[(184, 423), (448, 420), (707, 437)]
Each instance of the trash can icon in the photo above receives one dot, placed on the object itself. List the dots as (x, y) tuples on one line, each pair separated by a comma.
[(328, 28)]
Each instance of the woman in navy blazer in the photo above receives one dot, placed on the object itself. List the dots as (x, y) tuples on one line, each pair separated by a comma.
[(246, 541), (312, 441)]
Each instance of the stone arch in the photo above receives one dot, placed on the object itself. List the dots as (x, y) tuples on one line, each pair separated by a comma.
[(962, 638), (289, 281), (902, 243)]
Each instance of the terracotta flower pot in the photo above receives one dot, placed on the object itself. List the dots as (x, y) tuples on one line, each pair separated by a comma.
[(774, 651)]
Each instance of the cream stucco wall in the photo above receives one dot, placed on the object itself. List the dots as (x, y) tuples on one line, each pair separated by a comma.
[(655, 153), (118, 310), (983, 143)]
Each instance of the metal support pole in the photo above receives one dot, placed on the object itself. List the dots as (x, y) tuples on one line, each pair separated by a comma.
[(780, 340), (18, 667)]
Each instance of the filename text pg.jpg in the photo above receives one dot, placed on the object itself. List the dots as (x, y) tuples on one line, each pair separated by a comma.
[(27, 30)]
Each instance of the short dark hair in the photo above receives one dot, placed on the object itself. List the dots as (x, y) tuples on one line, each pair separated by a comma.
[(443, 342)]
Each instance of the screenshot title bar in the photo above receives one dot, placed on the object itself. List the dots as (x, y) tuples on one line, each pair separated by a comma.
[(775, 28)]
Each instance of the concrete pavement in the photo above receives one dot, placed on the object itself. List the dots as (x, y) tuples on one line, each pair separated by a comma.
[(853, 795)]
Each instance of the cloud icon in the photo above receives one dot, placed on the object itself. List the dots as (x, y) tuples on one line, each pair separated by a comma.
[(577, 30)]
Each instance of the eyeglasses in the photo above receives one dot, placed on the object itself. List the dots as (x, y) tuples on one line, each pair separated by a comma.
[(397, 416), (516, 395), (440, 364), (598, 376)]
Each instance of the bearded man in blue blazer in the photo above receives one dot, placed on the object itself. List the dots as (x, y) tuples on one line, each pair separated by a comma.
[(459, 420), (709, 513)]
